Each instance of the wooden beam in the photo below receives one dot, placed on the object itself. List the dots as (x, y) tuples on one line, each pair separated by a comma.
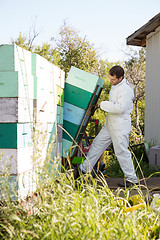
[(143, 42), (142, 32)]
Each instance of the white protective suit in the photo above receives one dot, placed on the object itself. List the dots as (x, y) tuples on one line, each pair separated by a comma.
[(116, 130)]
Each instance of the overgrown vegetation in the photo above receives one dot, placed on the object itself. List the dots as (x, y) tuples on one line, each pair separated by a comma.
[(64, 209)]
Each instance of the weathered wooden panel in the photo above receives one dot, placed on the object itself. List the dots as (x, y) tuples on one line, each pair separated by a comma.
[(16, 110), (60, 111), (55, 133)]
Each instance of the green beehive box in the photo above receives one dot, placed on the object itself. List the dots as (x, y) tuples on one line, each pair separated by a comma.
[(84, 80), (8, 84), (7, 62), (72, 129), (8, 188), (15, 58), (15, 135), (77, 96), (34, 64), (14, 85)]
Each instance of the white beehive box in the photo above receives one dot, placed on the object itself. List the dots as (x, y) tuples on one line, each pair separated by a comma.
[(59, 76), (16, 160), (154, 156)]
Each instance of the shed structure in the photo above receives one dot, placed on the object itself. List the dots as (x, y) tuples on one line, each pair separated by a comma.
[(149, 36)]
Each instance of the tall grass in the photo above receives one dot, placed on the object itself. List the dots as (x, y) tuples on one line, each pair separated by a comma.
[(63, 208)]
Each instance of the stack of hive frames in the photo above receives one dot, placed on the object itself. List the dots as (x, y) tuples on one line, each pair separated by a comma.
[(16, 115), (55, 129), (79, 89), (48, 101), (25, 98)]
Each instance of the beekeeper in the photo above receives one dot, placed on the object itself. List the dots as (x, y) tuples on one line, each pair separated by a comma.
[(117, 127)]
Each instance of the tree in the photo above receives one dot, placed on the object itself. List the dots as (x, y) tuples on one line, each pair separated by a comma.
[(27, 42), (48, 52), (21, 41), (75, 51), (135, 73)]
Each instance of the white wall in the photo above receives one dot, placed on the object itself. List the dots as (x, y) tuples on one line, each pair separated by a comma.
[(152, 88)]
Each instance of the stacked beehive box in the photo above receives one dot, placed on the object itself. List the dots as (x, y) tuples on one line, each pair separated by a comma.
[(16, 114), (81, 91), (48, 105), (58, 77), (31, 89)]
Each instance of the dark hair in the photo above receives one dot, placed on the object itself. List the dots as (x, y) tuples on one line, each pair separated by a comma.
[(117, 70)]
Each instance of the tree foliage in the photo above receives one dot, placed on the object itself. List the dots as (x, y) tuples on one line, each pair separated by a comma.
[(135, 73), (75, 50), (21, 41), (47, 51)]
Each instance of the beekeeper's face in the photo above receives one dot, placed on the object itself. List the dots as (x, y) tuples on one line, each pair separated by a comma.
[(114, 80)]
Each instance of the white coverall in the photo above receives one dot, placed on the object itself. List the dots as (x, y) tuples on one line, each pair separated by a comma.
[(116, 130)]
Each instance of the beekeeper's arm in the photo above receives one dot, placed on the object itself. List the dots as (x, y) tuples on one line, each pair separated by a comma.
[(125, 101)]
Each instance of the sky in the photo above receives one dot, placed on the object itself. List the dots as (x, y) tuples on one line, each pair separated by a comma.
[(105, 23)]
